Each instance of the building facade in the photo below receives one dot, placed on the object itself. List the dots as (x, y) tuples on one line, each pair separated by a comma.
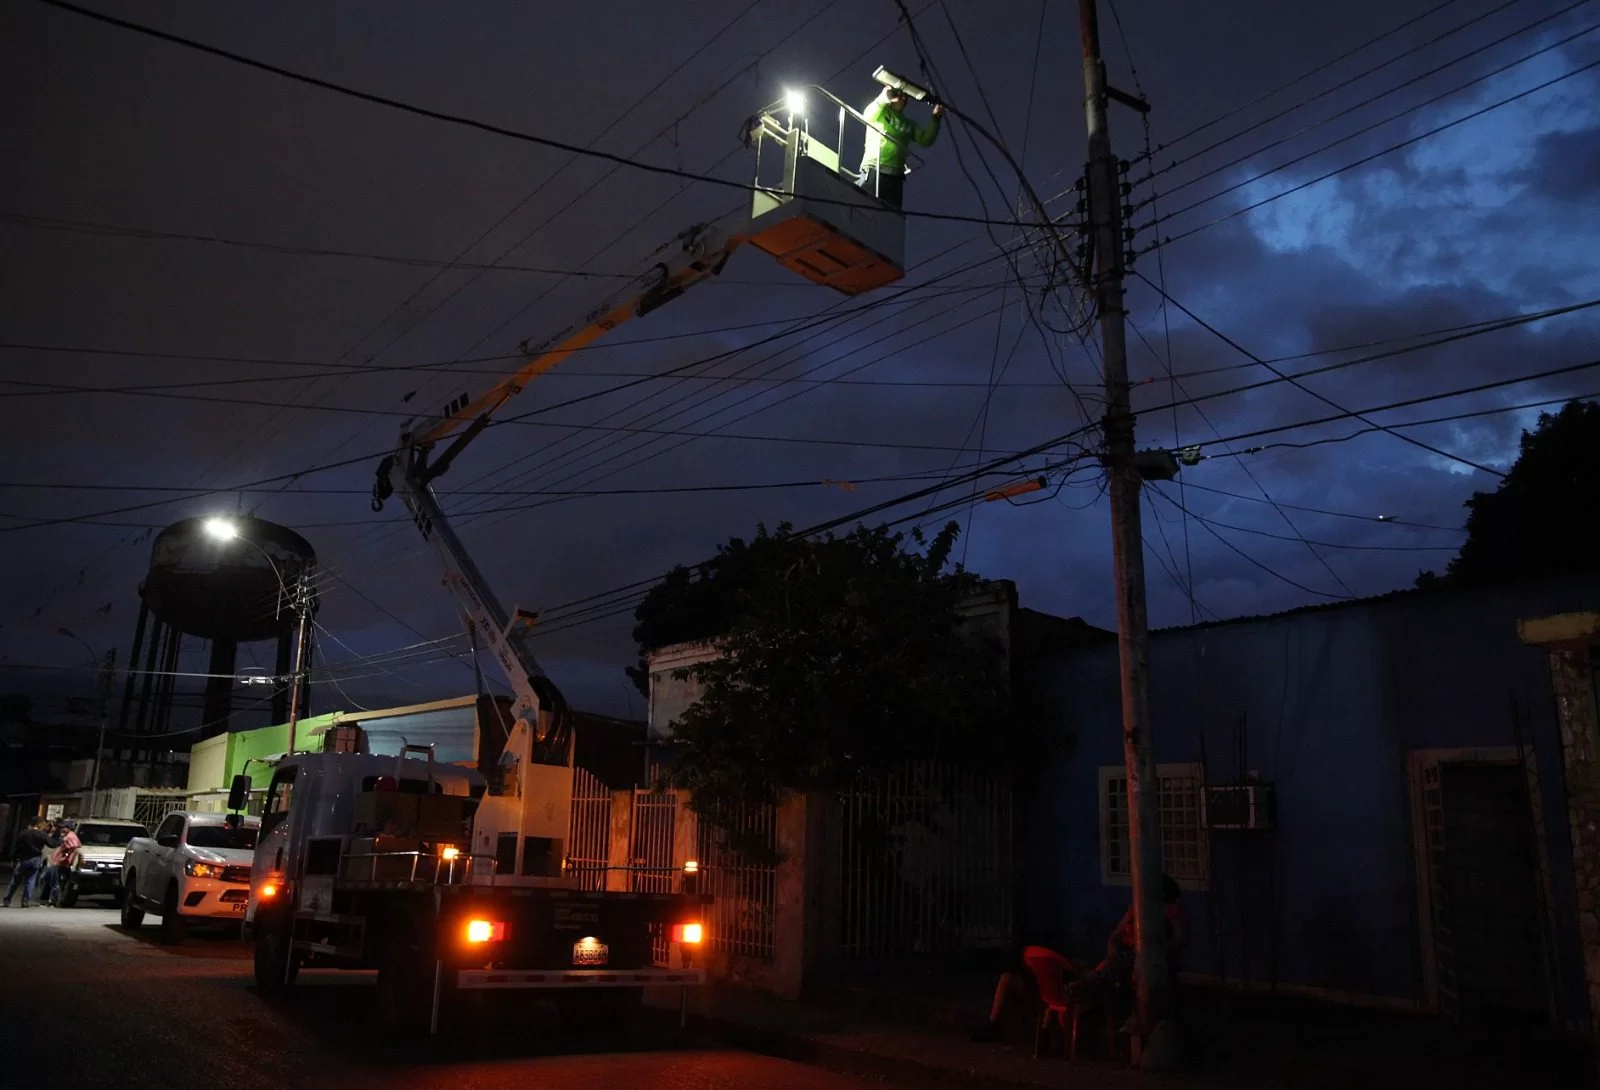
[(1401, 763)]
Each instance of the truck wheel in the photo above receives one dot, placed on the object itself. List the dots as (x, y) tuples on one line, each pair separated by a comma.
[(275, 965), (173, 926), (69, 895), (132, 914), (405, 981)]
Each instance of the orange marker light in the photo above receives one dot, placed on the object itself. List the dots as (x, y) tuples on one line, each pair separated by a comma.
[(480, 931), (690, 934), (449, 852), (268, 891)]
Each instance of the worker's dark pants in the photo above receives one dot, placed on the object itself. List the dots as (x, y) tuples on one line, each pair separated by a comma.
[(889, 188)]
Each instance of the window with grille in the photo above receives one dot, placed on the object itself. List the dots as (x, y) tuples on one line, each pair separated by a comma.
[(1183, 840)]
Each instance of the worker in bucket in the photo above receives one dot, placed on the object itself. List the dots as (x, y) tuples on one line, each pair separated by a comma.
[(889, 130)]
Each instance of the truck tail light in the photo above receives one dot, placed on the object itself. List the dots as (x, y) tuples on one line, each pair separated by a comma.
[(268, 891), (689, 934), (482, 931)]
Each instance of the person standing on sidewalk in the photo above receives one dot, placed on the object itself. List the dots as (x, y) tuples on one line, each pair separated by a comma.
[(27, 854)]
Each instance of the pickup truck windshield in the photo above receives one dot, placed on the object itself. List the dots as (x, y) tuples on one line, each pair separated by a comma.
[(109, 836), (220, 836)]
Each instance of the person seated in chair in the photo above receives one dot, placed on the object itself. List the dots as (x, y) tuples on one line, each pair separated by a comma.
[(1016, 991)]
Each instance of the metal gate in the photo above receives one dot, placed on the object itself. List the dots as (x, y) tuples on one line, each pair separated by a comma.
[(650, 842), (925, 863), (744, 886), (589, 835), (151, 810)]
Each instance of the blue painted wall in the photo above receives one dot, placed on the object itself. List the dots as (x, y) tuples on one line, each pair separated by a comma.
[(1326, 704)]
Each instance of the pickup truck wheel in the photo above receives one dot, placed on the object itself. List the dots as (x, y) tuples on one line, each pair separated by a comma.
[(69, 894), (173, 926), (405, 982), (275, 971), (132, 914)]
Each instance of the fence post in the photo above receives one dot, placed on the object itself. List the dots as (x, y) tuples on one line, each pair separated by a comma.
[(620, 852)]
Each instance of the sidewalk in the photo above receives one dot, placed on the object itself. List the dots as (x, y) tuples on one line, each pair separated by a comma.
[(916, 1033)]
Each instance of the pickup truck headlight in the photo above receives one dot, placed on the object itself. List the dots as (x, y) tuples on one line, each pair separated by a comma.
[(202, 870)]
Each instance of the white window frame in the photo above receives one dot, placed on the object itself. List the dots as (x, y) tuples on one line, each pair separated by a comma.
[(1193, 771)]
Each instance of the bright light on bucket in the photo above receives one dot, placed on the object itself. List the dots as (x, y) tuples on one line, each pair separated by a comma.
[(796, 102)]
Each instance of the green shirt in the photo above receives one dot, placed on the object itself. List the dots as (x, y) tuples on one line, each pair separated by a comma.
[(888, 151)]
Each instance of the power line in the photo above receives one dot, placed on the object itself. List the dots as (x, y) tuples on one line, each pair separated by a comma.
[(111, 230), (1294, 381), (1369, 158), (1354, 107), (1386, 520), (1408, 402), (1370, 99), (1475, 414), (1301, 78), (1323, 544), (466, 122)]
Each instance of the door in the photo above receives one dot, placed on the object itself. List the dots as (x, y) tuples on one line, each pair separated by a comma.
[(1482, 887), (153, 877)]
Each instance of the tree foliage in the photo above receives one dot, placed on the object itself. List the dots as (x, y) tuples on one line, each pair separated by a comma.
[(1544, 518), (838, 656)]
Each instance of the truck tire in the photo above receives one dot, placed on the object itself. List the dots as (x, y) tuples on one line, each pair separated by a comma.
[(276, 967), (132, 914), (173, 926), (405, 980)]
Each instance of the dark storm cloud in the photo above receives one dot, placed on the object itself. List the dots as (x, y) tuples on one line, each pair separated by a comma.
[(1492, 218)]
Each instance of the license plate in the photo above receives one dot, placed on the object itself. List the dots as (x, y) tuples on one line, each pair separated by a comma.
[(590, 952)]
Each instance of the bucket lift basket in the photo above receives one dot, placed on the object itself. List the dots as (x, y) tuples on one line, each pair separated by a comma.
[(808, 210)]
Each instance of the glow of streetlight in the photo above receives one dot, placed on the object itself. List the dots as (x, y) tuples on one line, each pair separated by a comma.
[(220, 529), (795, 100)]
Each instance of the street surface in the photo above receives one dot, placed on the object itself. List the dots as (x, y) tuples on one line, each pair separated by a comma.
[(88, 1005)]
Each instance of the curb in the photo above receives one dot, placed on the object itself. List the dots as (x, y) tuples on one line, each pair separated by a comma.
[(841, 1059)]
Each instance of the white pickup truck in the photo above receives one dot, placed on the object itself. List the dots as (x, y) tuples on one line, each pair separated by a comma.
[(196, 868)]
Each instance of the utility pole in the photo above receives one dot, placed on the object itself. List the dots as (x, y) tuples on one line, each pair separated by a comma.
[(302, 606), (1154, 995), (107, 679)]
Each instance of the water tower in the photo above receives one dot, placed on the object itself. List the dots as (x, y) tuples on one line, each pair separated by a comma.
[(214, 584)]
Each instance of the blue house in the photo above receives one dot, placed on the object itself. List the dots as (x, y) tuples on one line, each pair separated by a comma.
[(1400, 762)]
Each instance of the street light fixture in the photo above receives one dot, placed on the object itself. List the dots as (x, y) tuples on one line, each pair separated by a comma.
[(220, 529)]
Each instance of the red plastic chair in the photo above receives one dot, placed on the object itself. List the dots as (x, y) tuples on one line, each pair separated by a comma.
[(1050, 971)]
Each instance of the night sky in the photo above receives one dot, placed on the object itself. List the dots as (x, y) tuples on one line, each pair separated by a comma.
[(1489, 219)]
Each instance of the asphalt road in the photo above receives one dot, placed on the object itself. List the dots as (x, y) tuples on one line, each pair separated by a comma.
[(85, 1004)]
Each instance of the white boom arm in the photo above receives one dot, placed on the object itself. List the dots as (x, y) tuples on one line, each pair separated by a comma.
[(534, 799)]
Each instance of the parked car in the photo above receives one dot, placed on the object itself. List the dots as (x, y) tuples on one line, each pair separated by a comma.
[(195, 869), (97, 866)]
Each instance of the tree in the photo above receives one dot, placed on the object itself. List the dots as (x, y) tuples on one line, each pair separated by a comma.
[(838, 656), (1544, 518)]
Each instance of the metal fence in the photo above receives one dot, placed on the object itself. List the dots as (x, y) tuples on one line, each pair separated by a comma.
[(744, 889), (925, 863), (589, 835), (150, 810)]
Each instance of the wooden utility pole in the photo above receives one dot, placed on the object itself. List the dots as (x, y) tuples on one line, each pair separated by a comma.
[(297, 680), (1127, 539)]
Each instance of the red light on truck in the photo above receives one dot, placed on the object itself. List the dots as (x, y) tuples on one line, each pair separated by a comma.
[(481, 931), (690, 934), (268, 891)]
